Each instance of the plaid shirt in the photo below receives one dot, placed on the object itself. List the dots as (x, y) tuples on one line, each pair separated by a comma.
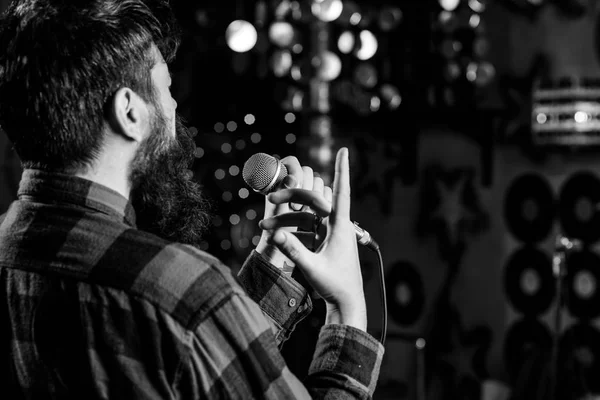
[(91, 307)]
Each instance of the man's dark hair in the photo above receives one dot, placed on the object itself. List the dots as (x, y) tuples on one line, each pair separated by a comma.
[(61, 61)]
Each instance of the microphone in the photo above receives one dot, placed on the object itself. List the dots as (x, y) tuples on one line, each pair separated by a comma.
[(263, 172)]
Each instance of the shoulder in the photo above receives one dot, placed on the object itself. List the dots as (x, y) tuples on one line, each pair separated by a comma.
[(183, 281)]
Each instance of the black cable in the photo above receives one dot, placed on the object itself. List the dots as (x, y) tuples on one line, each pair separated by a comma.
[(383, 297)]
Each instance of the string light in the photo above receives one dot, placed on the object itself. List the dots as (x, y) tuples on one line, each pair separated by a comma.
[(255, 138), (234, 170), (251, 214), (219, 127), (219, 174), (227, 196), (241, 36), (290, 138), (243, 193), (290, 117), (231, 126)]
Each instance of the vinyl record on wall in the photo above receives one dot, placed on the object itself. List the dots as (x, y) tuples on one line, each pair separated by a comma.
[(583, 278), (528, 281), (405, 293), (527, 341), (529, 208), (579, 359), (579, 198)]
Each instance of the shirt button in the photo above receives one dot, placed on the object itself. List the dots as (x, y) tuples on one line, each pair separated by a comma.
[(292, 302)]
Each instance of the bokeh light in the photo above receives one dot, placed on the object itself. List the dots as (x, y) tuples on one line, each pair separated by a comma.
[(241, 36)]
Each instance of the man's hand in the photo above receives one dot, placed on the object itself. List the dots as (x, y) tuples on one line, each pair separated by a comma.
[(334, 269), (311, 197)]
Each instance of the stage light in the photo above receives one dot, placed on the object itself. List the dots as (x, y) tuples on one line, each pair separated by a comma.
[(290, 118), (389, 18), (474, 21), (477, 5), (226, 148), (234, 170), (367, 45), (480, 73), (449, 5), (281, 63), (448, 21), (283, 34), (375, 103), (581, 117), (366, 75), (227, 196), (391, 96), (294, 99), (541, 118), (220, 174), (327, 10), (241, 36), (234, 219), (290, 138), (251, 214), (328, 66), (350, 14), (450, 48), (346, 42), (452, 71), (231, 126), (255, 137)]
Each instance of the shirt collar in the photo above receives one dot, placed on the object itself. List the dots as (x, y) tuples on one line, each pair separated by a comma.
[(53, 187)]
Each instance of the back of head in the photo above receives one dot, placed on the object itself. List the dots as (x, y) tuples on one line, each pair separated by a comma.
[(61, 61)]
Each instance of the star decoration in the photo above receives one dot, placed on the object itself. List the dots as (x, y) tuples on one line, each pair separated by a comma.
[(450, 209), (379, 165)]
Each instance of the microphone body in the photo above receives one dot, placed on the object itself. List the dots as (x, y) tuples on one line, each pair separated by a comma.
[(263, 173)]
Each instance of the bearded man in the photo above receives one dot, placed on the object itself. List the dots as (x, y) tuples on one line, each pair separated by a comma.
[(103, 294)]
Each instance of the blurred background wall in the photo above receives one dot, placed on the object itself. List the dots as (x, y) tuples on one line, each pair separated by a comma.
[(473, 127)]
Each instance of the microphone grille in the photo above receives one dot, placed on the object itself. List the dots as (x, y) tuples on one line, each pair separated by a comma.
[(260, 169)]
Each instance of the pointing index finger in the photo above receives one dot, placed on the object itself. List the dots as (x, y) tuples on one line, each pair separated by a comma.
[(341, 185)]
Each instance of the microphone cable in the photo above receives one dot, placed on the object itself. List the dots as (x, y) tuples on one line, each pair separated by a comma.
[(383, 294)]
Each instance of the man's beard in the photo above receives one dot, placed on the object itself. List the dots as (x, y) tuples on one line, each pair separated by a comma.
[(167, 202)]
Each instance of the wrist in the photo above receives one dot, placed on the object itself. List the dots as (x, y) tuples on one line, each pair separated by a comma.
[(355, 316), (272, 254)]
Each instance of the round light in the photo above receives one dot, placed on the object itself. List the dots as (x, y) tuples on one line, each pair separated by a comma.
[(255, 137), (366, 75), (249, 119), (225, 244), (449, 5), (241, 36), (290, 118), (231, 126), (282, 34), (391, 96), (346, 42), (581, 117), (234, 170), (199, 152), (541, 118), (219, 127), (243, 193), (234, 219), (477, 5), (290, 138), (328, 66), (327, 10), (389, 18), (368, 45), (281, 62), (226, 148), (251, 214), (220, 174)]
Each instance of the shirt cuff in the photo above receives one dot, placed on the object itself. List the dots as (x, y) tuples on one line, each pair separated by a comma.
[(343, 349), (279, 296)]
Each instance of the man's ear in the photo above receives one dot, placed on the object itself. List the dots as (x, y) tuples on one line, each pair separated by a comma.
[(128, 114)]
